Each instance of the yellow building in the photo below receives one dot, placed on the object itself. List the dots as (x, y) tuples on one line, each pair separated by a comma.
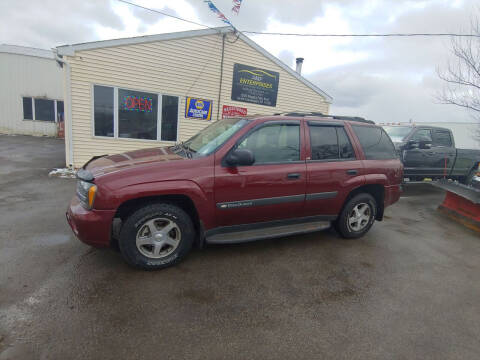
[(147, 91)]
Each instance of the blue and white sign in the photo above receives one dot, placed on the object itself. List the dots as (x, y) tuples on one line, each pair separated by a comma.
[(198, 108)]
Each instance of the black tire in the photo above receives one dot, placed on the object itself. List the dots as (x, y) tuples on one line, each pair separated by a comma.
[(342, 223), (137, 221)]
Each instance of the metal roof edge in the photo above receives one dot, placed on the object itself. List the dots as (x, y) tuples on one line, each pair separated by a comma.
[(27, 51), (69, 50), (285, 67)]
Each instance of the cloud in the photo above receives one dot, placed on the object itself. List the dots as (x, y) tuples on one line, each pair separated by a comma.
[(48, 23), (385, 79)]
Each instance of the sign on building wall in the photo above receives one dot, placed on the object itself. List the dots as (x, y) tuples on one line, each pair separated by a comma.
[(198, 108), (254, 85), (233, 111)]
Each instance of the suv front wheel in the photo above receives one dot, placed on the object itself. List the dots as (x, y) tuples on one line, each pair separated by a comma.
[(156, 236), (357, 216)]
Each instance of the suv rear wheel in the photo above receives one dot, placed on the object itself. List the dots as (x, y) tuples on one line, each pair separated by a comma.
[(156, 236), (357, 216)]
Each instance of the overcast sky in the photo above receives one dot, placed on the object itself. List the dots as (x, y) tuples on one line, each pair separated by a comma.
[(383, 79)]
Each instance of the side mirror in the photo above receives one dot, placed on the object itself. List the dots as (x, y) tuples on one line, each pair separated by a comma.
[(240, 157), (411, 144), (424, 144)]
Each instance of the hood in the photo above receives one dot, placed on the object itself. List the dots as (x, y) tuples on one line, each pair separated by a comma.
[(110, 163)]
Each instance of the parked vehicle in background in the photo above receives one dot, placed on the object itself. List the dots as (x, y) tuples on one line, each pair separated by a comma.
[(238, 180), (429, 152)]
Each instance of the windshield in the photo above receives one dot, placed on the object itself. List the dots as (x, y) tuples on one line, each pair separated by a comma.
[(213, 136), (397, 133)]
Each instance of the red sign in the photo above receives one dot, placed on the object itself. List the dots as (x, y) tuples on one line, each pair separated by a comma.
[(233, 111)]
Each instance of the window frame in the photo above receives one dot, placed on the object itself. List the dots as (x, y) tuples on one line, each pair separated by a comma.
[(55, 121), (258, 127), (115, 114), (334, 125), (411, 137), (434, 138), (360, 145)]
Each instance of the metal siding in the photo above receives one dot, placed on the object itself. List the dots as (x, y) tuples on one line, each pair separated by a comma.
[(22, 75), (181, 67)]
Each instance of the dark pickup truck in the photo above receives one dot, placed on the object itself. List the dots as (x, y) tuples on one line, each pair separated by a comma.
[(237, 180), (429, 152)]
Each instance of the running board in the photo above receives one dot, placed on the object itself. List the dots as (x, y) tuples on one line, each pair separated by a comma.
[(255, 232)]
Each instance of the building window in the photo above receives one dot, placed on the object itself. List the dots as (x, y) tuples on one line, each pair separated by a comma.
[(42, 109), (60, 111), (45, 110), (169, 118), (134, 114), (137, 114), (27, 108), (103, 109)]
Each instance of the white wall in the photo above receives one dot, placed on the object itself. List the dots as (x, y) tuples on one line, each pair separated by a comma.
[(27, 75)]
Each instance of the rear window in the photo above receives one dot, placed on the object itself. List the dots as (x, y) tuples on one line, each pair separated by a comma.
[(375, 142)]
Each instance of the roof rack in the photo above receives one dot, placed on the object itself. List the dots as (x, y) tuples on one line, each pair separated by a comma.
[(336, 117)]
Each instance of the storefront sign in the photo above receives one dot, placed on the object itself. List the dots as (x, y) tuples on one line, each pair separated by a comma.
[(254, 85), (198, 109), (135, 103), (233, 111)]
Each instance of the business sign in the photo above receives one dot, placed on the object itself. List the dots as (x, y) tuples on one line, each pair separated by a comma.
[(233, 111), (254, 85), (137, 103), (198, 109)]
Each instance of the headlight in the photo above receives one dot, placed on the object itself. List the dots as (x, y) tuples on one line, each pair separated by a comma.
[(86, 193)]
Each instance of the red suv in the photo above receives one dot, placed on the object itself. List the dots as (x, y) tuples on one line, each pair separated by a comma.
[(238, 180)]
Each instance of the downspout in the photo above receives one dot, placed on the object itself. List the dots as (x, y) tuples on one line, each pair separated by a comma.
[(221, 76), (68, 103)]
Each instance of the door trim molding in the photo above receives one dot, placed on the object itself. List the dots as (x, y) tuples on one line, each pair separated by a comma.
[(322, 195), (276, 200), (260, 202)]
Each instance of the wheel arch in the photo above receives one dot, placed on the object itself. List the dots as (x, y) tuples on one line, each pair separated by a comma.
[(375, 190), (181, 200)]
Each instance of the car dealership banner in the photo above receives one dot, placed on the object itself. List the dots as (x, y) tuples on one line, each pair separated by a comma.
[(233, 111), (198, 108), (254, 85)]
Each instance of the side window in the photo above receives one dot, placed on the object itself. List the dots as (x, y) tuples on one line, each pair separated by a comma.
[(344, 145), (330, 143), (422, 134), (275, 143), (442, 138), (376, 144)]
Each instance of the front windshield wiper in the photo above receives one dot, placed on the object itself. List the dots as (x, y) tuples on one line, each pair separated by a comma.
[(183, 148)]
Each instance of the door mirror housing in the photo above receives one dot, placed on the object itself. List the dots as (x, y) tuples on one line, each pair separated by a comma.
[(424, 144), (240, 157), (411, 144)]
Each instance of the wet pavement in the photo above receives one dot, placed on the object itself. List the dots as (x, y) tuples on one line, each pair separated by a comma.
[(409, 289)]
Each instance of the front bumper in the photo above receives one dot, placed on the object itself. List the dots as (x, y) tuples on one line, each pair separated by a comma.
[(93, 227)]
